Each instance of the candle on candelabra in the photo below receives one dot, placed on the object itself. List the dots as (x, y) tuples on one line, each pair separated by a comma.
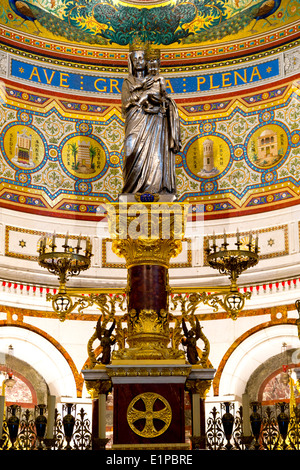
[(51, 416), (250, 240), (225, 237), (2, 406), (53, 240), (214, 241), (43, 244), (238, 236), (88, 246), (256, 243), (78, 243)]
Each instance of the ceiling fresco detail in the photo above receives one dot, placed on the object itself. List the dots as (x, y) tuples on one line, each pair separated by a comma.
[(174, 22)]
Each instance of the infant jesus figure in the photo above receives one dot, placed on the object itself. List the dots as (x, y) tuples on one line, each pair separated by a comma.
[(153, 99)]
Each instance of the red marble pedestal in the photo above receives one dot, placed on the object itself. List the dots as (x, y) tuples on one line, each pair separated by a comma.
[(149, 408)]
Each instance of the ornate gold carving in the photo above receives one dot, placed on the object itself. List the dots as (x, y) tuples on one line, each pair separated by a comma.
[(96, 388), (149, 371), (198, 386), (147, 233), (148, 337), (137, 44), (148, 321), (147, 251), (152, 53), (233, 262), (155, 407)]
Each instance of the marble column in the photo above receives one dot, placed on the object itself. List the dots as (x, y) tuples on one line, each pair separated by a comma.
[(198, 385)]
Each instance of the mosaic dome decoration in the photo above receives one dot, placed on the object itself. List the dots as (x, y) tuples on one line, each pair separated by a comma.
[(232, 67)]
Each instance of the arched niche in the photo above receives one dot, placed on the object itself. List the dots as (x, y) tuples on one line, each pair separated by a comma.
[(30, 388), (42, 356), (251, 355), (269, 384)]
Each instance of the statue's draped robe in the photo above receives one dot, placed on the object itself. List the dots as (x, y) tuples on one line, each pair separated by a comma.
[(149, 160)]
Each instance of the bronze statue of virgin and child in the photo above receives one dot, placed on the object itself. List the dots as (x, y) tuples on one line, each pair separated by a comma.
[(152, 129)]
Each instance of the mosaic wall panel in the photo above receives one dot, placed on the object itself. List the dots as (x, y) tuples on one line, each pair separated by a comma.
[(68, 163)]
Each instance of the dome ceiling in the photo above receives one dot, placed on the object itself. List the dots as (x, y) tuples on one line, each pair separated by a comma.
[(233, 75), (213, 28)]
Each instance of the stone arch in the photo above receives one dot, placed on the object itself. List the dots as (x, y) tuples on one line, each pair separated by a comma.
[(26, 374), (45, 355), (249, 352)]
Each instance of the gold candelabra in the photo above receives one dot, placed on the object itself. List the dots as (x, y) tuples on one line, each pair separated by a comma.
[(65, 262), (232, 262)]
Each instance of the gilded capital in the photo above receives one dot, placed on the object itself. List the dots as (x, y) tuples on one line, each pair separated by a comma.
[(198, 386), (96, 388), (147, 251), (147, 233)]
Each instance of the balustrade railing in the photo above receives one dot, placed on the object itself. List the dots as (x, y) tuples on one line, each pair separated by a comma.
[(272, 428), (24, 430)]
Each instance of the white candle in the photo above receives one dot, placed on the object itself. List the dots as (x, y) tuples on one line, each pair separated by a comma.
[(51, 416), (67, 239), (53, 240), (250, 239), (78, 242)]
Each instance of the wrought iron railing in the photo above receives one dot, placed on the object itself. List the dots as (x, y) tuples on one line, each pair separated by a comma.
[(272, 428), (24, 430)]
